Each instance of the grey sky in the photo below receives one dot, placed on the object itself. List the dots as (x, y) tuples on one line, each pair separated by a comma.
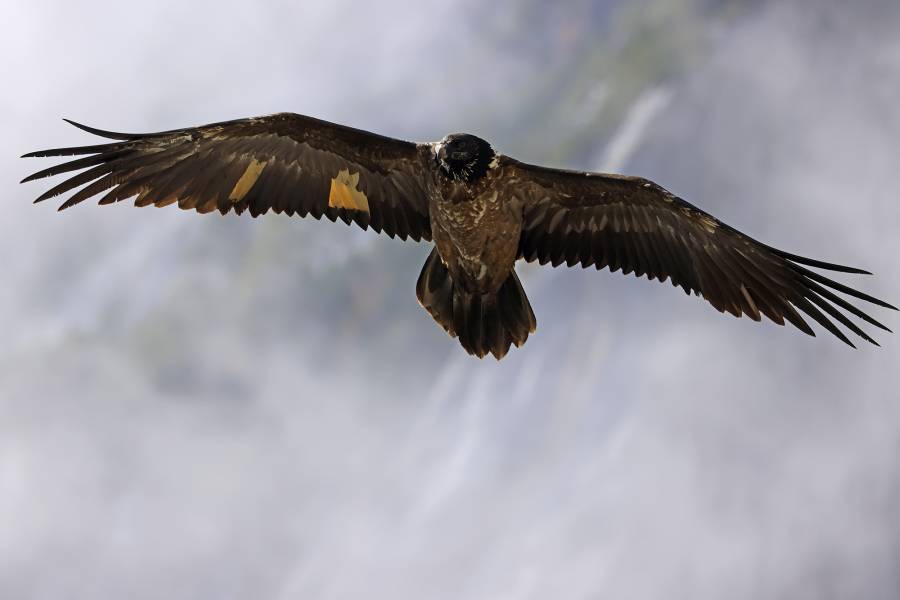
[(196, 407)]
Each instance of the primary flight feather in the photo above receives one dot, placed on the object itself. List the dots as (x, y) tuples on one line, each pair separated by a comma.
[(482, 210)]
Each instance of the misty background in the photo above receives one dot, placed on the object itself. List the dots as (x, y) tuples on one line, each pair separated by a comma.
[(222, 407)]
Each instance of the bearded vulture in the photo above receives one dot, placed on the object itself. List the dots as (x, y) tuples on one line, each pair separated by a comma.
[(482, 211)]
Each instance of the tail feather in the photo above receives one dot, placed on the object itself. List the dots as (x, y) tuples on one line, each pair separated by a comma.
[(484, 324)]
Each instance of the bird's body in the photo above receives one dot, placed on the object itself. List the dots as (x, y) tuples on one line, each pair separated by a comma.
[(483, 211), (476, 228)]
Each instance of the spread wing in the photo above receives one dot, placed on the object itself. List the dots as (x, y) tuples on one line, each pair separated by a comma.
[(634, 225), (284, 162)]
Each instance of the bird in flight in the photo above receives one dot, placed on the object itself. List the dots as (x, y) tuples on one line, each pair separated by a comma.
[(483, 211)]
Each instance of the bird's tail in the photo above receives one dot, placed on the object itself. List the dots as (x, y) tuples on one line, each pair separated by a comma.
[(483, 323)]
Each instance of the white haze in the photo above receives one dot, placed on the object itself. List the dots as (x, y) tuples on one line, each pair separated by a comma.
[(153, 444)]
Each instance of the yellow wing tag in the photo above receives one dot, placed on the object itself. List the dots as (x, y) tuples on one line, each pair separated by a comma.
[(247, 180), (345, 193)]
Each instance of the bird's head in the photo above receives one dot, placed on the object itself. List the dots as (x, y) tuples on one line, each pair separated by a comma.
[(464, 157)]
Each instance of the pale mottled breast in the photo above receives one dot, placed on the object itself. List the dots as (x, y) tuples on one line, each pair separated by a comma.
[(477, 231)]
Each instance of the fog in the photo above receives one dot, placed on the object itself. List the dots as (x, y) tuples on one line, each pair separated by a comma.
[(222, 407)]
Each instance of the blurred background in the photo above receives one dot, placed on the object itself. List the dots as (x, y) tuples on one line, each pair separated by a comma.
[(222, 407)]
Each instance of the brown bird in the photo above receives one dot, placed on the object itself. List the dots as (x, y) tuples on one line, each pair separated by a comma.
[(483, 211)]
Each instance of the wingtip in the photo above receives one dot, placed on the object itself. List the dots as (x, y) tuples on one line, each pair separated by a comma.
[(854, 270), (848, 342), (76, 124), (882, 304), (81, 126), (844, 269), (819, 264), (838, 268), (36, 176), (879, 325), (112, 135), (45, 153)]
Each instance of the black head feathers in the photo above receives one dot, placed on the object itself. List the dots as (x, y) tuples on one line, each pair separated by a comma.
[(464, 157)]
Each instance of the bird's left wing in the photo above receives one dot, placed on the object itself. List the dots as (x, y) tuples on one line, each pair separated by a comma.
[(284, 162), (635, 225)]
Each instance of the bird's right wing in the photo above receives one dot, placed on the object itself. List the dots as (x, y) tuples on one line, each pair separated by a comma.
[(284, 162), (635, 225)]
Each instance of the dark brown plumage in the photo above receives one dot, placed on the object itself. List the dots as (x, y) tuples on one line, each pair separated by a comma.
[(483, 211)]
